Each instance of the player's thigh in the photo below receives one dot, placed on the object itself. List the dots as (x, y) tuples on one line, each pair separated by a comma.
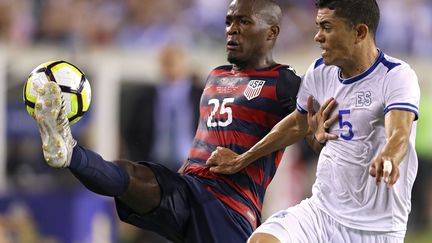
[(169, 218), (301, 223), (271, 232), (143, 193), (263, 238)]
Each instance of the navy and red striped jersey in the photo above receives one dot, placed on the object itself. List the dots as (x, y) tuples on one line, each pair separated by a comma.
[(237, 109)]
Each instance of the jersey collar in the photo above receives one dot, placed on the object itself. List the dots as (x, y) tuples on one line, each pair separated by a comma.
[(364, 74)]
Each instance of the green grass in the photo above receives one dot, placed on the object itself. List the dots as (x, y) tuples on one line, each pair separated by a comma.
[(424, 236)]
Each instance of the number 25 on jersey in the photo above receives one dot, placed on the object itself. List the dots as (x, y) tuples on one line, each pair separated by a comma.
[(224, 109)]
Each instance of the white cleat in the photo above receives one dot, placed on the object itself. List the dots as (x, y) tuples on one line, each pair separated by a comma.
[(57, 140)]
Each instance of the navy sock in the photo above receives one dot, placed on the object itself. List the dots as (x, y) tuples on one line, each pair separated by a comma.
[(98, 175)]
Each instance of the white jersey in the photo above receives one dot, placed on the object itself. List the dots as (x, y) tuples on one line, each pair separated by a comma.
[(343, 187)]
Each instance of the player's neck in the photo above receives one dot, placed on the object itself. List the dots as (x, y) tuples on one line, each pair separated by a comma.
[(360, 62), (252, 65)]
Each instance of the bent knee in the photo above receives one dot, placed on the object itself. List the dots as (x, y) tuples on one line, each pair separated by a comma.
[(262, 238), (136, 171), (143, 193)]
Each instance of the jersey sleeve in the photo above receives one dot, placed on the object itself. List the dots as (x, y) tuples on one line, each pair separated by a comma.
[(287, 88), (305, 90), (402, 91)]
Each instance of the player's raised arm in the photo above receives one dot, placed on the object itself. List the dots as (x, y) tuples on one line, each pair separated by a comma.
[(398, 124), (288, 131), (291, 129)]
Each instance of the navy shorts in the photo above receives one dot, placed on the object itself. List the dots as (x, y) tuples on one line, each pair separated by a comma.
[(188, 212)]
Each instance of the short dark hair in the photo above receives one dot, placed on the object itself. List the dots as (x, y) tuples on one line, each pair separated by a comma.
[(355, 11)]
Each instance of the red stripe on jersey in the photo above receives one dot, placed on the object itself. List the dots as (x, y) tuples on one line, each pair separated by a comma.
[(199, 153), (277, 161), (261, 118), (267, 183), (237, 206), (203, 171), (255, 173), (221, 72), (268, 92), (245, 73), (197, 169), (246, 192), (277, 67), (226, 138)]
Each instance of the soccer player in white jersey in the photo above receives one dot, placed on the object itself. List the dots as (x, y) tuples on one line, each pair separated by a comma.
[(373, 113)]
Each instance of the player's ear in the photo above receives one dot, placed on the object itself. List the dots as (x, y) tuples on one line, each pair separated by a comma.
[(273, 32), (361, 31)]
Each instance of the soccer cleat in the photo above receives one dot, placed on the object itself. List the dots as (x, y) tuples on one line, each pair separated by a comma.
[(57, 140)]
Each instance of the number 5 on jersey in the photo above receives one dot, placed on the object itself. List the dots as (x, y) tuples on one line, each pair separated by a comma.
[(224, 109), (345, 124)]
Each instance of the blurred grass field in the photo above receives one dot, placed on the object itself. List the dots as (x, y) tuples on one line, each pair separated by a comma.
[(424, 236)]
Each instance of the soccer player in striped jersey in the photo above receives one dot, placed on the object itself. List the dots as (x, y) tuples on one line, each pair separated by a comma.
[(376, 115), (240, 104)]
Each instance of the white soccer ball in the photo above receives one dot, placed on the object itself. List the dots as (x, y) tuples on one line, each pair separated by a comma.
[(72, 81)]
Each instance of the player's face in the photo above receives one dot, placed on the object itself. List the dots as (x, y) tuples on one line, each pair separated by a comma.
[(335, 36), (246, 34)]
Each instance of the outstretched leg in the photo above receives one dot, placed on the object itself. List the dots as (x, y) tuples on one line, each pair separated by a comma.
[(132, 183)]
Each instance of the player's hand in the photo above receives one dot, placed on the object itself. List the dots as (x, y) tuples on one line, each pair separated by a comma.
[(224, 161), (319, 122), (382, 170)]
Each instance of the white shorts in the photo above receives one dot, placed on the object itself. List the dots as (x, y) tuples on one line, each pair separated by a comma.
[(306, 223)]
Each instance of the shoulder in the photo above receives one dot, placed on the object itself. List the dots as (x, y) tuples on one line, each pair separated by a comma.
[(287, 87), (396, 72), (220, 70), (395, 65), (318, 63), (287, 74), (223, 68), (284, 68), (288, 82)]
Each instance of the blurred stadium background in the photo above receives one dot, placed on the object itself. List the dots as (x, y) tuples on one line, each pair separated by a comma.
[(117, 44)]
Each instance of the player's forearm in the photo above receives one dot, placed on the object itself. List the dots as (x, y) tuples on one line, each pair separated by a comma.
[(396, 146), (288, 131), (398, 129)]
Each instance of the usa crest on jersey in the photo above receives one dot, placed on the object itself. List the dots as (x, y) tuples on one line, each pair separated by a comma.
[(253, 89)]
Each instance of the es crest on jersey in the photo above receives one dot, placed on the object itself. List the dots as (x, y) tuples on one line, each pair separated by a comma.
[(253, 89)]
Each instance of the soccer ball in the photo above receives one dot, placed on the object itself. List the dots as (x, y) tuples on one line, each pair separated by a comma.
[(73, 83)]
